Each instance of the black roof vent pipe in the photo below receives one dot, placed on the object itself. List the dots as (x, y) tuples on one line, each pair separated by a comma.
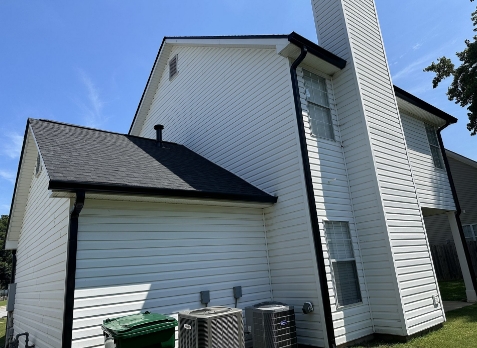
[(159, 128)]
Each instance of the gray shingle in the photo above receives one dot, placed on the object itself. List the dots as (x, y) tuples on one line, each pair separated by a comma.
[(79, 157)]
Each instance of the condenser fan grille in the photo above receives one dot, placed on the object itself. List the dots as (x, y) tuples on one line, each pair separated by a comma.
[(214, 327)]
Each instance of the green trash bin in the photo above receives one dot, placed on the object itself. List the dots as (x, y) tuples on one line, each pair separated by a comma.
[(140, 330)]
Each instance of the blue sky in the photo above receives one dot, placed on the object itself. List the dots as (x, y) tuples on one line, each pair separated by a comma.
[(87, 62)]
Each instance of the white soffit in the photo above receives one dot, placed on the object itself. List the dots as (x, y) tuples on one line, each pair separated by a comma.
[(291, 51), (175, 200), (416, 112), (20, 196)]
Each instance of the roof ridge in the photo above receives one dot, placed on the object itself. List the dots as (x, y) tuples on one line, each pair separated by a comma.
[(98, 130)]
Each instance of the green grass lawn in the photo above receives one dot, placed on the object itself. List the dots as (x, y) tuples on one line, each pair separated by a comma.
[(460, 330), (452, 290), (3, 303), (3, 323)]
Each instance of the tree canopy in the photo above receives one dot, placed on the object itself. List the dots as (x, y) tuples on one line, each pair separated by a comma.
[(463, 89), (5, 255)]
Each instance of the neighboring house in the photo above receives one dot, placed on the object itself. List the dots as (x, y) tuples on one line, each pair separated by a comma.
[(464, 174), (296, 171)]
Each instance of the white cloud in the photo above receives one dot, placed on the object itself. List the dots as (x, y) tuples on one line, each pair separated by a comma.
[(92, 109), (416, 65), (417, 46), (13, 145), (7, 175)]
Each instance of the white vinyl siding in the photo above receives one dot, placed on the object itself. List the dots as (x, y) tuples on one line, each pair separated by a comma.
[(41, 265), (158, 257), (333, 203), (395, 252), (432, 183), (235, 107)]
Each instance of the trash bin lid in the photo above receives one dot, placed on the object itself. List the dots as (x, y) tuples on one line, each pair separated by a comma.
[(138, 324)]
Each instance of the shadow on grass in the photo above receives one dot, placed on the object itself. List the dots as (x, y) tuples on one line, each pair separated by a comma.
[(460, 330), (452, 290)]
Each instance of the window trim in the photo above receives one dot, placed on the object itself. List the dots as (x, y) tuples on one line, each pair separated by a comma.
[(428, 127), (331, 260), (329, 107)]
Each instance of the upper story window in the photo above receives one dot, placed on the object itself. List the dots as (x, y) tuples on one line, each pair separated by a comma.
[(318, 105), (173, 67), (470, 232), (434, 145), (343, 263)]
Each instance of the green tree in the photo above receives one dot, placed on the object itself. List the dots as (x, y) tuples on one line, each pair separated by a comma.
[(5, 255), (463, 89)]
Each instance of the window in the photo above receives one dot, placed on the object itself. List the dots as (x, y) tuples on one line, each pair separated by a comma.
[(470, 232), (343, 263), (318, 106), (434, 145), (173, 67)]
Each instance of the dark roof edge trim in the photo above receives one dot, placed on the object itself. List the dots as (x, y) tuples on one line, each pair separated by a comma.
[(225, 37), (57, 185), (316, 50), (402, 94), (147, 85), (16, 183)]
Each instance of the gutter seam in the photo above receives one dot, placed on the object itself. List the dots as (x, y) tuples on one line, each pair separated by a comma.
[(325, 295), (70, 278)]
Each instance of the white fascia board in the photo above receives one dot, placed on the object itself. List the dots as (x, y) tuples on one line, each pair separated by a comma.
[(421, 114), (461, 158)]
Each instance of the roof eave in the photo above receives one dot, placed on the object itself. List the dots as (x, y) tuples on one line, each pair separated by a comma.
[(317, 51), (66, 186), (412, 99)]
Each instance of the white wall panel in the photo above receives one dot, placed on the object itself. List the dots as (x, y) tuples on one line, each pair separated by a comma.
[(432, 183), (235, 107), (333, 203), (41, 266), (375, 128), (158, 257)]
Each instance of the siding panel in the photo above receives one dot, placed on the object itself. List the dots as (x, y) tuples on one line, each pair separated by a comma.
[(189, 249), (235, 107), (387, 159), (41, 265)]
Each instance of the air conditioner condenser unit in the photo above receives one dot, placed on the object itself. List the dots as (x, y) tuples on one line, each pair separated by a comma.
[(272, 325), (211, 327)]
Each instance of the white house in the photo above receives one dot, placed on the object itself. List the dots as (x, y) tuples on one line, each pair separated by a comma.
[(295, 170), (464, 174)]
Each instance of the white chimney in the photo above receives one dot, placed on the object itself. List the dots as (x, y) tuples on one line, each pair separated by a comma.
[(382, 187)]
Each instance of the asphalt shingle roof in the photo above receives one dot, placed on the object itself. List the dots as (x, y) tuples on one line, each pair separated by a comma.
[(84, 158)]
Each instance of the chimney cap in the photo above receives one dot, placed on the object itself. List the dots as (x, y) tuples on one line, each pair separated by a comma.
[(158, 126)]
